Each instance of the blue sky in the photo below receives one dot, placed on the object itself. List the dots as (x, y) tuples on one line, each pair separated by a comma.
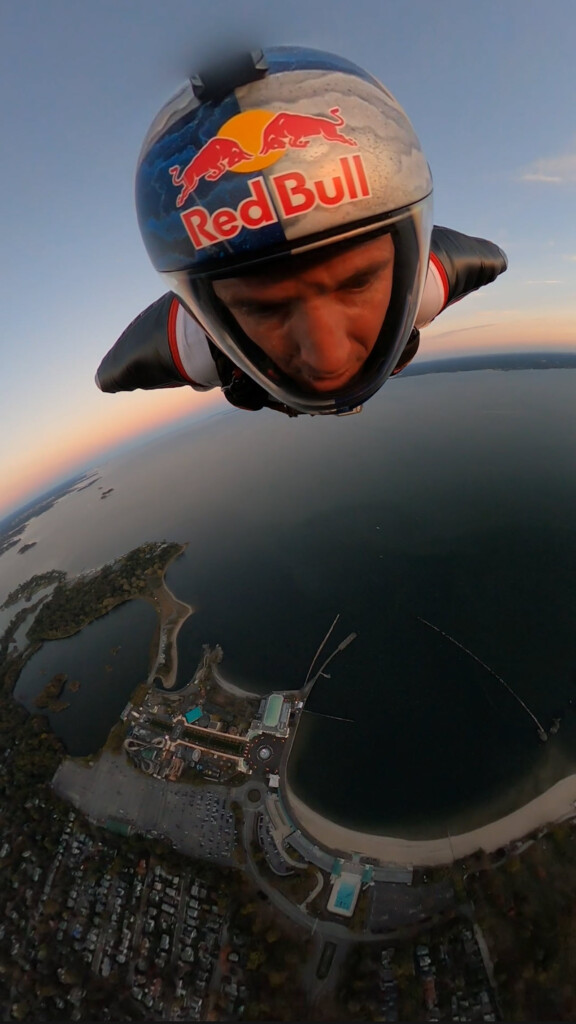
[(489, 88)]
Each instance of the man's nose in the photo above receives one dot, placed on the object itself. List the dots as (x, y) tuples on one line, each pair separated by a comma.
[(321, 338)]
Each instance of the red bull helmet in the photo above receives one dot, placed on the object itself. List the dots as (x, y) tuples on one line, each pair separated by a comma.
[(288, 153)]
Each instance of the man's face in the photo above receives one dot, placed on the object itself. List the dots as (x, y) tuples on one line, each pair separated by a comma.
[(318, 325)]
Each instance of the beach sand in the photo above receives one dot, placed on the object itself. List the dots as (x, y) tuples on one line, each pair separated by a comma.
[(169, 608), (237, 691), (555, 804)]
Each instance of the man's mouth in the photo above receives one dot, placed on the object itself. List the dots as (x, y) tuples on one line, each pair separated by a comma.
[(327, 381)]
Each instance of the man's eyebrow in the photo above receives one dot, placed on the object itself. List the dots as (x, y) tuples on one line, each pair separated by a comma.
[(363, 272), (240, 298)]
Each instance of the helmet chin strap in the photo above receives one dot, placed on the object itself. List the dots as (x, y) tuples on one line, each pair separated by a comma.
[(410, 349), (240, 390)]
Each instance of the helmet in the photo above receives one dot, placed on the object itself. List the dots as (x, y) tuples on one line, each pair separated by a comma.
[(288, 152)]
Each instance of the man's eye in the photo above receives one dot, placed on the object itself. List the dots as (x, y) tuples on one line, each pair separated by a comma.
[(358, 284), (262, 312)]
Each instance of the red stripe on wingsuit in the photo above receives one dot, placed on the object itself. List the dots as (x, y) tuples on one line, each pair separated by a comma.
[(443, 276), (173, 343)]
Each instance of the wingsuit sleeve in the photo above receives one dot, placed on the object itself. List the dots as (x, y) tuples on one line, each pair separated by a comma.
[(164, 347), (459, 264)]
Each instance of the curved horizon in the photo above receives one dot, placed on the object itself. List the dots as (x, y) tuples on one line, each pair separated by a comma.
[(140, 415)]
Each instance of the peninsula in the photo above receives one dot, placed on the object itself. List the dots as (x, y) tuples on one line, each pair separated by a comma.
[(74, 603)]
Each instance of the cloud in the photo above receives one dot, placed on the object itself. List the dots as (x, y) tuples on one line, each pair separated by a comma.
[(554, 170), (549, 281), (512, 330), (570, 256), (555, 178)]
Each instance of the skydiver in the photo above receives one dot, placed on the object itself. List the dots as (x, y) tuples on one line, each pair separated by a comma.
[(287, 204)]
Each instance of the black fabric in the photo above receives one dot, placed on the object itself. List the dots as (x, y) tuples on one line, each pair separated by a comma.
[(469, 262), (141, 357), (217, 81), (239, 389)]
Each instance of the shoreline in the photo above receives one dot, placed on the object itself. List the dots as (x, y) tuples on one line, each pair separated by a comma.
[(169, 607), (237, 691), (555, 804)]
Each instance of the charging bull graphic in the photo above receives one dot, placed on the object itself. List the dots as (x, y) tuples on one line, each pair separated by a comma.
[(261, 138), (294, 131), (210, 162)]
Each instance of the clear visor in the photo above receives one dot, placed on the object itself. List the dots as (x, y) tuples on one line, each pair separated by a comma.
[(322, 329)]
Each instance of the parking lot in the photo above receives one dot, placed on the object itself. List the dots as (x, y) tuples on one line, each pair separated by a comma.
[(197, 819), (396, 906)]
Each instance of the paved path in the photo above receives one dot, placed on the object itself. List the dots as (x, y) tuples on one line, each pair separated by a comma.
[(317, 888)]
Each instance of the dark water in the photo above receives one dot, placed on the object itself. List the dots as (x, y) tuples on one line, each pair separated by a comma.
[(452, 497), (106, 678)]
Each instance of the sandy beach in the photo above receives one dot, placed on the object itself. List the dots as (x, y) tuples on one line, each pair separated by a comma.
[(237, 691), (555, 804), (170, 610)]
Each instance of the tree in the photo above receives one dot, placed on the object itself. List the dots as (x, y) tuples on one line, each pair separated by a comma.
[(255, 959), (277, 978), (21, 1009)]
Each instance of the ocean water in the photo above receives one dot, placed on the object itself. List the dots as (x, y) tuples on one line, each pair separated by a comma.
[(451, 498)]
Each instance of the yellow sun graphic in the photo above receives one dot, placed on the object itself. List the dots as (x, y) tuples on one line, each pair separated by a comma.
[(246, 129)]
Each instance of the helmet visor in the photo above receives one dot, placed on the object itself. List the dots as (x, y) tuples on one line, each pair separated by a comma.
[(320, 330)]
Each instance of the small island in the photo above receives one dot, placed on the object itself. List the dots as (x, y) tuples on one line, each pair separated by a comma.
[(89, 484), (26, 547), (12, 526), (49, 697)]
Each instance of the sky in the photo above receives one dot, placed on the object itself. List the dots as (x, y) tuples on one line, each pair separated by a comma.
[(489, 89)]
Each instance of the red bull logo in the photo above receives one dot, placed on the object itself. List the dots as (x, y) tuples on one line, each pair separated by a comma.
[(294, 131), (217, 156), (252, 141)]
